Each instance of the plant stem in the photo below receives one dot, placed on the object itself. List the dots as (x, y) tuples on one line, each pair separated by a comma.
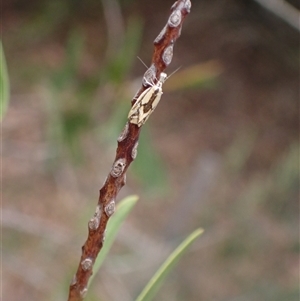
[(125, 154)]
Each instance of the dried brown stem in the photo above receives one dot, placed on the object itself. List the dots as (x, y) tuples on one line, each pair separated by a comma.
[(125, 154)]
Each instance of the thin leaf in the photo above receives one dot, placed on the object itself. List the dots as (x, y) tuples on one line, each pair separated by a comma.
[(4, 83), (114, 224), (157, 280)]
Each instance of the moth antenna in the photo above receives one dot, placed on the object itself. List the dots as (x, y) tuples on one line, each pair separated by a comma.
[(173, 72), (142, 62)]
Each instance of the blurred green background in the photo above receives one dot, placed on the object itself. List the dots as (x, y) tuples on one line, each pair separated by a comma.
[(221, 150)]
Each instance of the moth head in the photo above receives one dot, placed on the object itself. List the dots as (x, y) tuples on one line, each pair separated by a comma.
[(162, 77)]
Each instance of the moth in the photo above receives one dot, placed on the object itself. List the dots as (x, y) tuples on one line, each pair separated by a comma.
[(147, 102)]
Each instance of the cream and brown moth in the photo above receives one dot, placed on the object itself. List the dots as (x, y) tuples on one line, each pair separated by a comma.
[(147, 102)]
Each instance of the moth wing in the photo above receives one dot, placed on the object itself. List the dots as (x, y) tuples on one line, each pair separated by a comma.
[(138, 103), (146, 95), (157, 99)]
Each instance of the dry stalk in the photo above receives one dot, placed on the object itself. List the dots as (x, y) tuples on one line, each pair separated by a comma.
[(125, 154)]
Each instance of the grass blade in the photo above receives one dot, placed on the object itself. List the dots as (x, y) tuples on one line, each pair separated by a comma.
[(4, 84), (114, 224), (158, 278)]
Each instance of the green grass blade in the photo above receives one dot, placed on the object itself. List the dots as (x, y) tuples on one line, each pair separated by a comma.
[(4, 83), (114, 224), (157, 280)]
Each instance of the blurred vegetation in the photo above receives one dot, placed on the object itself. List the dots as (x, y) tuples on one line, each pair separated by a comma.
[(73, 99), (4, 83)]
